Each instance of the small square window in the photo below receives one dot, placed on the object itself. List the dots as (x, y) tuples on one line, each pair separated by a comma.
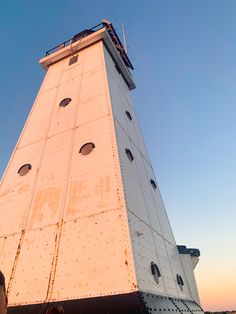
[(73, 59)]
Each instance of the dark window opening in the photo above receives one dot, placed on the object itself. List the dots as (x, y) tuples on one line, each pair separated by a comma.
[(24, 169), (65, 102), (153, 183), (129, 154), (179, 280), (128, 115), (73, 59), (155, 272), (86, 149)]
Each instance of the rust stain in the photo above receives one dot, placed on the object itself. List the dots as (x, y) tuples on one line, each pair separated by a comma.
[(78, 193), (102, 190), (45, 205), (23, 188)]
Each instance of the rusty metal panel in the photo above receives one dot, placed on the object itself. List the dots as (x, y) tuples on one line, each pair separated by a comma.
[(46, 206), (94, 258), (34, 266), (92, 193), (15, 206), (9, 246)]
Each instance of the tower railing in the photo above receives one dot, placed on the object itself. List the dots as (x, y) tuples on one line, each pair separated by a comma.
[(111, 32)]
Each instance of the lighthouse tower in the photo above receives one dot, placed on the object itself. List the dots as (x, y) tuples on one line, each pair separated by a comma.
[(82, 222)]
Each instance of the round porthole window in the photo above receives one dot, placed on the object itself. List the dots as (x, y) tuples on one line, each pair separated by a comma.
[(155, 272), (180, 281), (86, 148), (128, 115), (129, 154), (153, 184), (24, 169), (65, 102)]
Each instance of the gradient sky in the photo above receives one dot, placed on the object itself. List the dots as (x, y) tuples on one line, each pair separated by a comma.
[(184, 54)]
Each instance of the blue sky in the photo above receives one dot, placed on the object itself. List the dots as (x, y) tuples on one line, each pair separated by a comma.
[(184, 54)]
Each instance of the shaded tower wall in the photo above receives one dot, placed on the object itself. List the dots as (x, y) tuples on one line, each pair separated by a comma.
[(150, 231)]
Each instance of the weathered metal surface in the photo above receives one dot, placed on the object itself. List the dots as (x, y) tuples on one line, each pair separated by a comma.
[(86, 227)]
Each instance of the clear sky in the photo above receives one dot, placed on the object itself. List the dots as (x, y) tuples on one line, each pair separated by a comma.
[(184, 54)]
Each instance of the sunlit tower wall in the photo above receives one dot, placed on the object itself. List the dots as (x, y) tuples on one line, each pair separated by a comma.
[(82, 222)]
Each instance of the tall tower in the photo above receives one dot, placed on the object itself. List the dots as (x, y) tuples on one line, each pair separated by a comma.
[(82, 222)]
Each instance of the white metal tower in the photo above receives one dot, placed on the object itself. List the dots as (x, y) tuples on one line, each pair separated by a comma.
[(82, 222)]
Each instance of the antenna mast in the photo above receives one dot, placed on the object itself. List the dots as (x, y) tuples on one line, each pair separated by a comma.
[(124, 38)]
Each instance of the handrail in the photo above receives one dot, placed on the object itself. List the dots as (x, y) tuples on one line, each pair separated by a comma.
[(111, 32)]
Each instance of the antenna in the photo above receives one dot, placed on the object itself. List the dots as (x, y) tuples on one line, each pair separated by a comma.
[(124, 38)]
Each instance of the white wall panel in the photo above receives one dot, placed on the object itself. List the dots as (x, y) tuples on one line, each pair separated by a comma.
[(17, 208), (73, 71), (30, 283), (134, 199), (165, 265), (54, 167), (93, 57), (145, 253), (58, 142), (114, 75), (12, 182), (64, 117), (94, 258), (46, 206), (189, 275), (178, 269), (53, 77), (100, 157), (35, 132), (92, 85), (8, 251), (22, 155), (91, 193), (92, 110)]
